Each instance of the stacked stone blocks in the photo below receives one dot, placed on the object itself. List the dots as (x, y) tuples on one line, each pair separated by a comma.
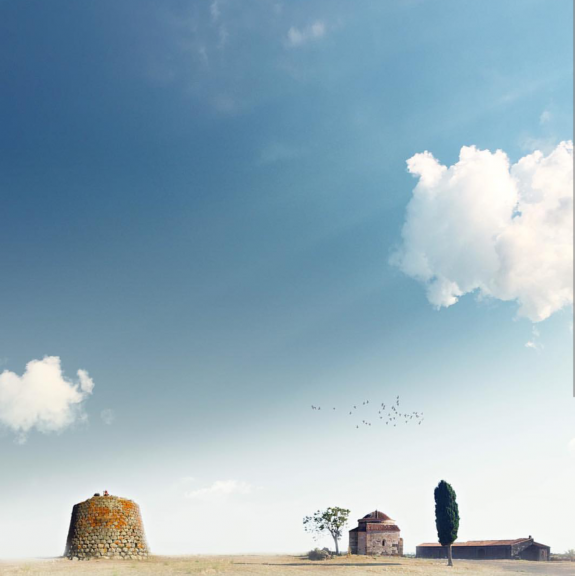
[(106, 527)]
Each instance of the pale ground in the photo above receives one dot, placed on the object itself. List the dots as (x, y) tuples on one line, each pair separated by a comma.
[(281, 566)]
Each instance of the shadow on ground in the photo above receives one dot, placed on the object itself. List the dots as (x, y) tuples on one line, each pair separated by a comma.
[(321, 564)]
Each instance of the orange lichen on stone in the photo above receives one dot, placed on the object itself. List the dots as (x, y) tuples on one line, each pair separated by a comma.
[(106, 526)]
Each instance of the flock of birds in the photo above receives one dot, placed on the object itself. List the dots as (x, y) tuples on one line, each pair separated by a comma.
[(392, 418)]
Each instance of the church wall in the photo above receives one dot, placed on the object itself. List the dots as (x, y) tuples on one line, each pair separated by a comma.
[(384, 543), (353, 542)]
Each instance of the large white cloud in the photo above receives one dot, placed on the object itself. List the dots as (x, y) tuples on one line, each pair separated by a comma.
[(484, 225), (42, 397)]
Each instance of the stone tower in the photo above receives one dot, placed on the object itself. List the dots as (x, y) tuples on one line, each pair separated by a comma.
[(106, 526)]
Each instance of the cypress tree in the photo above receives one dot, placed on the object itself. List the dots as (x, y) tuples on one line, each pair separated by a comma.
[(446, 516)]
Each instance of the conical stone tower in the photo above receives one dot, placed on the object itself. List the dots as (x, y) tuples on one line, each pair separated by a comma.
[(106, 527)]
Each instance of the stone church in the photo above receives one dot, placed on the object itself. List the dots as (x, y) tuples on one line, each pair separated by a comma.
[(376, 534)]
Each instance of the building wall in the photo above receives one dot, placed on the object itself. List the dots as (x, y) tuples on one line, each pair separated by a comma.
[(384, 543), (525, 551), (465, 552), (376, 538), (106, 526), (430, 552), (517, 549), (353, 542), (538, 553), (483, 552)]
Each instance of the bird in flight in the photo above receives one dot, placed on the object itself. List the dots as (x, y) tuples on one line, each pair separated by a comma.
[(390, 416)]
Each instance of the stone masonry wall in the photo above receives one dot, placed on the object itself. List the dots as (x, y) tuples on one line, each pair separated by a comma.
[(384, 543), (352, 542), (106, 526)]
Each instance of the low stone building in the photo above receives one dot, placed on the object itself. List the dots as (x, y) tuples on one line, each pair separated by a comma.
[(376, 534), (522, 548), (106, 526)]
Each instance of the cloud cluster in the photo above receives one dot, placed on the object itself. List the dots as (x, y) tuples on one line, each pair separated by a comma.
[(220, 489), (42, 397), (300, 36), (505, 231)]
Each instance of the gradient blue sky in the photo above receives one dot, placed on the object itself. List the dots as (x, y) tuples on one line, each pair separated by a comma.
[(199, 207)]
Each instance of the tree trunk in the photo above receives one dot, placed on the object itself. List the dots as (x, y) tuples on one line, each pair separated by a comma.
[(449, 556), (336, 546)]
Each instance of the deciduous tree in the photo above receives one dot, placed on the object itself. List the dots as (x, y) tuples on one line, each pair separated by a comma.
[(331, 520)]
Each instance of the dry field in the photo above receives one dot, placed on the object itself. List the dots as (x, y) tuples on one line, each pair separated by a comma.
[(279, 566)]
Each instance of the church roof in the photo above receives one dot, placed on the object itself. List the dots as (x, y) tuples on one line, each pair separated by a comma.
[(376, 521), (376, 515), (378, 527)]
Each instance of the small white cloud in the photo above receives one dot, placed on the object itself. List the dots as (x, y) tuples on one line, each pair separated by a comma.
[(215, 10), (295, 37), (317, 29), (203, 54), (545, 117), (42, 398), (300, 36), (107, 416), (534, 342), (223, 36), (484, 225), (86, 383), (220, 489)]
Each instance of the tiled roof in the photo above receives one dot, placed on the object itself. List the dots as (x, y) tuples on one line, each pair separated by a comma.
[(377, 528), (383, 528), (376, 515), (481, 543)]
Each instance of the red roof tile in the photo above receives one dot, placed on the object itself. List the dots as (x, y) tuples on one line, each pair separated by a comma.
[(376, 515), (480, 543)]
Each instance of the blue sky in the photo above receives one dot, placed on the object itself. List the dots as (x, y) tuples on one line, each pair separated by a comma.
[(200, 201)]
